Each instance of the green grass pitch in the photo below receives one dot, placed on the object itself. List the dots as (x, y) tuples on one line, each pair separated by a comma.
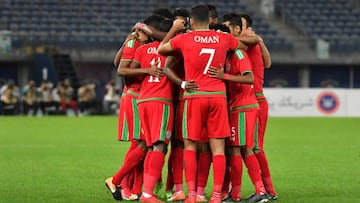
[(66, 159)]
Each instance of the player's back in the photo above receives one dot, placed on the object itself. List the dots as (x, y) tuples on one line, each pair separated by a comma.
[(257, 64), (202, 49), (153, 88)]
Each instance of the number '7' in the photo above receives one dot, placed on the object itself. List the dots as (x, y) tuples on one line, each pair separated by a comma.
[(212, 53)]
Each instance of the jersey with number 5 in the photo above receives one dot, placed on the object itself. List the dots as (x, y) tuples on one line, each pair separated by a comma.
[(202, 49), (153, 88)]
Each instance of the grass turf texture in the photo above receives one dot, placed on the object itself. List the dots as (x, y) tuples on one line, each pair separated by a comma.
[(66, 159)]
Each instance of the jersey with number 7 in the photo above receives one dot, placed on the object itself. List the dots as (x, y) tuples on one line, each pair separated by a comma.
[(202, 49)]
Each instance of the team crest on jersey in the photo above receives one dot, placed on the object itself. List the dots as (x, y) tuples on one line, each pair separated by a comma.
[(168, 135)]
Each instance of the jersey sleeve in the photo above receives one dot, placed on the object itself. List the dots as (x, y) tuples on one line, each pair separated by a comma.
[(137, 55), (175, 42), (129, 51), (243, 62)]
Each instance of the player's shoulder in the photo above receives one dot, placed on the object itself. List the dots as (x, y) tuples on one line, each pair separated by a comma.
[(240, 54)]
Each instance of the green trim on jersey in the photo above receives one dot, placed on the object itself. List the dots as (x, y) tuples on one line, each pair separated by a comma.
[(250, 106), (131, 43), (184, 121), (259, 94), (154, 99), (164, 122), (242, 129), (135, 61), (132, 93), (239, 54), (123, 94), (136, 119), (203, 93)]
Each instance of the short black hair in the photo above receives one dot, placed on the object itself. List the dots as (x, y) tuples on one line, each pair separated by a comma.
[(235, 20), (220, 27), (247, 18), (226, 17), (164, 12), (154, 21), (165, 25), (212, 11), (181, 12), (200, 13)]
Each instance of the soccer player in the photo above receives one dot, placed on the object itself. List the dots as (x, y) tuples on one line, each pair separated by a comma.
[(260, 59), (205, 97), (213, 14), (175, 162), (129, 126), (156, 115), (243, 115)]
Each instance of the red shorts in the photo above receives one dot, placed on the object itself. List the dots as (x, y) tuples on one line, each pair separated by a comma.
[(156, 121), (132, 117), (243, 128), (262, 121), (123, 132), (208, 113)]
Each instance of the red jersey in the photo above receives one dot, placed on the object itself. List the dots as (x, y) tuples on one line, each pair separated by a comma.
[(257, 65), (202, 49), (242, 96), (128, 55), (153, 88)]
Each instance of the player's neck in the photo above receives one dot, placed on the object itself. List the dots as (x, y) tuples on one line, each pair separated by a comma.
[(201, 27)]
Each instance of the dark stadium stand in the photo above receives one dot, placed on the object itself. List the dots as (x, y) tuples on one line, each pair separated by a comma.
[(98, 23), (332, 20)]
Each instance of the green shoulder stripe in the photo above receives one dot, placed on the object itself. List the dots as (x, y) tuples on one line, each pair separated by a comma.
[(131, 43), (239, 54)]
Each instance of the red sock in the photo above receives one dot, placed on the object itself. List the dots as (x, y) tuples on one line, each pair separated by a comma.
[(155, 167), (235, 175), (170, 175), (254, 173), (203, 168), (226, 184), (177, 165), (219, 164), (146, 164), (130, 163), (138, 179), (131, 148), (265, 172), (190, 171)]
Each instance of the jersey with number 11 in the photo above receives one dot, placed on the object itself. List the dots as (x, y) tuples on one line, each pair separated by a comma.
[(201, 50), (153, 88)]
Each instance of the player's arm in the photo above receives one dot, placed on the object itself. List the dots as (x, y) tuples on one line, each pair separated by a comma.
[(150, 31), (165, 47), (265, 53), (120, 51), (246, 77), (135, 70), (170, 65)]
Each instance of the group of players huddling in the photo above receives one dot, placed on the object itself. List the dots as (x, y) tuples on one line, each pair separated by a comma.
[(197, 84)]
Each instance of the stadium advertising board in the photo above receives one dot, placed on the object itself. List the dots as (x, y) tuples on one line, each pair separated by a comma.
[(313, 102)]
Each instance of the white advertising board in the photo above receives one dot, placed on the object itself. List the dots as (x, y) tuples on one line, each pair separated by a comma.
[(313, 102)]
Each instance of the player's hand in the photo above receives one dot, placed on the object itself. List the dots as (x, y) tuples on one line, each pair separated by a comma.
[(216, 72), (191, 86), (179, 24), (156, 71)]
